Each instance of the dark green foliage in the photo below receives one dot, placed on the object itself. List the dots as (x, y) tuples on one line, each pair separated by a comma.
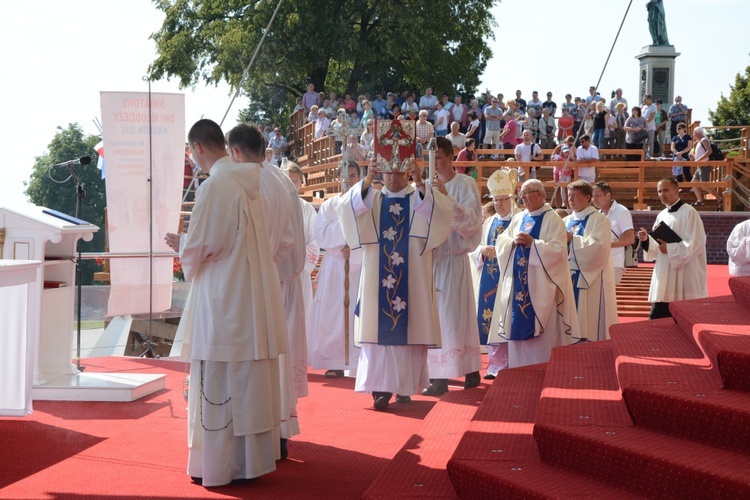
[(349, 46), (734, 110), (68, 144)]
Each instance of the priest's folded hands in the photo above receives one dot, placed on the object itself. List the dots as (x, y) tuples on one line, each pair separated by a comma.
[(524, 239)]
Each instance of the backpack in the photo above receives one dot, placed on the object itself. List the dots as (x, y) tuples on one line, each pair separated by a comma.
[(716, 153)]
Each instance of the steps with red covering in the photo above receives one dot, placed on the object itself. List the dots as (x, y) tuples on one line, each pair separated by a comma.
[(662, 410), (498, 457), (740, 287), (721, 327)]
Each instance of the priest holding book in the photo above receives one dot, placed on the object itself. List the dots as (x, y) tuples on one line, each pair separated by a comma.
[(677, 242)]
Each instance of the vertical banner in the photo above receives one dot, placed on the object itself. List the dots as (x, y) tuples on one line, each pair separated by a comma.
[(134, 148)]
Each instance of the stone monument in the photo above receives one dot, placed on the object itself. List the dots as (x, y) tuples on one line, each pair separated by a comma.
[(656, 75)]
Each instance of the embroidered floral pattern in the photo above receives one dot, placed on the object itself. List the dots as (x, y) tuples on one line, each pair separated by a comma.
[(396, 306), (389, 282), (396, 259)]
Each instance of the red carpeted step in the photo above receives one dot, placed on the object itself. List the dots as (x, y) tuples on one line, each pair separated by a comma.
[(581, 388), (646, 462), (502, 427), (418, 470), (498, 457), (490, 480), (657, 353), (716, 417), (740, 286), (722, 329), (732, 355), (720, 314)]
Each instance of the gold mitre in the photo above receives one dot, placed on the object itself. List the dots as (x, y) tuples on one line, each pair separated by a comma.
[(503, 182)]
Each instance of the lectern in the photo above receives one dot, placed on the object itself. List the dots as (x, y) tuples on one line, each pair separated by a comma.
[(20, 300), (38, 233)]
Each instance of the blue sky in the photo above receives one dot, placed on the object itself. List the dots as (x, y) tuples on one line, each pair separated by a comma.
[(60, 55)]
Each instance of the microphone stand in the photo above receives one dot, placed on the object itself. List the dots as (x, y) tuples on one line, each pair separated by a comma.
[(80, 195)]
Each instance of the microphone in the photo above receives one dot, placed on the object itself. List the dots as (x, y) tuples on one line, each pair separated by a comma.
[(83, 160)]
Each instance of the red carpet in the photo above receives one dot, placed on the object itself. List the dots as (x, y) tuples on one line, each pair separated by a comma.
[(67, 450)]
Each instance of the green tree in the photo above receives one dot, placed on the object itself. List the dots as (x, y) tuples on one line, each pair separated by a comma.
[(734, 110), (69, 143), (344, 45)]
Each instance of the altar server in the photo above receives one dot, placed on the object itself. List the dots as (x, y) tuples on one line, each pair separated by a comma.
[(680, 270), (237, 330), (459, 355), (331, 346)]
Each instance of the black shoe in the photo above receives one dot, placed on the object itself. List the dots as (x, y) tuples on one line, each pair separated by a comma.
[(437, 388), (697, 203), (381, 403), (197, 480), (489, 376), (472, 380), (284, 449), (244, 480), (402, 399), (334, 374)]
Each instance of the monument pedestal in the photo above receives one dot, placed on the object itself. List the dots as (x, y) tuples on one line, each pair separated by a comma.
[(657, 73)]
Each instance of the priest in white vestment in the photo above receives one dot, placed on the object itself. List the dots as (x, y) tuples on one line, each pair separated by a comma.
[(738, 248), (287, 242), (460, 354), (535, 304), (330, 344), (502, 187), (590, 261), (397, 319), (312, 249), (680, 269), (236, 331)]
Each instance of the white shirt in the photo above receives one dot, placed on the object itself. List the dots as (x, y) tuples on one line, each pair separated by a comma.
[(443, 113), (586, 154), (620, 220), (647, 112), (523, 152)]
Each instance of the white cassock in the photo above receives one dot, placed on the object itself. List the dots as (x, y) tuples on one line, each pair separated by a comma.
[(456, 304), (738, 248), (555, 321), (399, 369), (590, 260), (497, 355), (326, 342), (237, 332), (679, 274), (286, 233), (312, 251)]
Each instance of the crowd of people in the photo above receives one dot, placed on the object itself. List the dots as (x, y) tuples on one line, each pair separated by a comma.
[(416, 277), (524, 127), (484, 118)]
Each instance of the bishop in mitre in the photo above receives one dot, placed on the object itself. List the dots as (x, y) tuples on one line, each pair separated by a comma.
[(502, 187)]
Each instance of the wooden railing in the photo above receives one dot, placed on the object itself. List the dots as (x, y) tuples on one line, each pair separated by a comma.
[(633, 182)]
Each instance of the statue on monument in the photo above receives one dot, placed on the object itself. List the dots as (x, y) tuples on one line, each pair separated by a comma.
[(657, 24)]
